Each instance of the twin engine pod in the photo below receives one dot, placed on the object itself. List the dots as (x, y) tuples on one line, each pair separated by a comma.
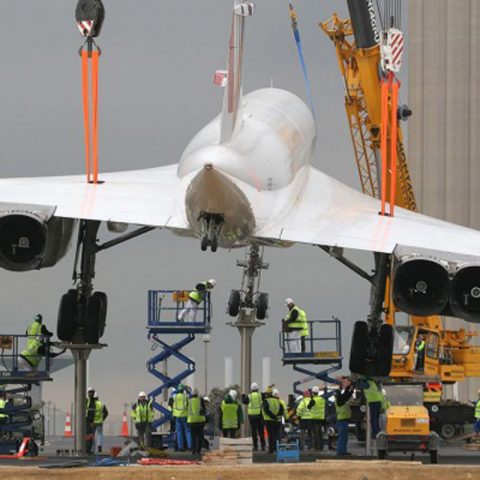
[(430, 283), (31, 238)]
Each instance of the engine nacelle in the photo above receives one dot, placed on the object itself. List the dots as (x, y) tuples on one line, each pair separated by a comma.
[(31, 238), (421, 283), (465, 292)]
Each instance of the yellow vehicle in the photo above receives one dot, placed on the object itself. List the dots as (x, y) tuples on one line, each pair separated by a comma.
[(407, 426)]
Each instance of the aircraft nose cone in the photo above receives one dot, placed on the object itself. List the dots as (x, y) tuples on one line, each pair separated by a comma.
[(208, 166)]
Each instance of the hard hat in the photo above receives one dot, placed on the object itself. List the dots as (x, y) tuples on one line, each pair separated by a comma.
[(38, 317), (233, 394), (269, 389), (212, 282), (206, 399), (90, 389), (142, 394), (288, 301), (299, 399), (275, 392), (315, 389), (95, 395), (254, 386)]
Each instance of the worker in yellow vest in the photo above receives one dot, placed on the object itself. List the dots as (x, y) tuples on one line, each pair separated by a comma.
[(254, 410), (32, 354), (420, 353), (101, 413), (3, 405), (374, 398), (179, 404), (304, 416), (476, 426), (196, 420), (343, 397), (296, 327), (195, 298), (142, 414), (317, 417), (272, 412), (231, 415)]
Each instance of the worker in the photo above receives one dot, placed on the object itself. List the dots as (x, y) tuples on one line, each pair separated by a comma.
[(209, 430), (231, 415), (195, 298), (383, 411), (179, 404), (254, 411), (272, 411), (343, 397), (90, 419), (3, 405), (476, 426), (196, 420), (295, 326), (420, 353), (101, 413), (142, 414), (304, 419), (374, 398), (317, 417), (283, 420)]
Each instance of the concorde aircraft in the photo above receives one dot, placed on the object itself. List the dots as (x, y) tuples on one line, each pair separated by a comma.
[(245, 179)]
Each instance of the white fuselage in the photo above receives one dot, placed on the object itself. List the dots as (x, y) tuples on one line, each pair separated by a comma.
[(255, 177)]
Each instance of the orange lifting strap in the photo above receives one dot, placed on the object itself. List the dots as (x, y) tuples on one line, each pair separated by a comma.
[(390, 88), (91, 139)]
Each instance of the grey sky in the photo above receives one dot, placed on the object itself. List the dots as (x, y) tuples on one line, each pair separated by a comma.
[(156, 91)]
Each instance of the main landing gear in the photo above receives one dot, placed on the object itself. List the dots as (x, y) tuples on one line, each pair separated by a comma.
[(211, 224)]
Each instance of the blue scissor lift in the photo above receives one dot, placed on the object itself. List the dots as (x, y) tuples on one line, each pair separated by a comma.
[(164, 306), (323, 349)]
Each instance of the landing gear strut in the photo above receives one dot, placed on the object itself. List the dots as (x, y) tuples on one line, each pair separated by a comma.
[(211, 224)]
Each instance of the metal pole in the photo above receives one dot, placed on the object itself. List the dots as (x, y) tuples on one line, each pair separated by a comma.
[(206, 341), (54, 419), (368, 433), (80, 356), (165, 372)]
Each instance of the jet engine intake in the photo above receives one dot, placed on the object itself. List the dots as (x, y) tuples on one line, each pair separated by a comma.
[(31, 238), (421, 285), (465, 293)]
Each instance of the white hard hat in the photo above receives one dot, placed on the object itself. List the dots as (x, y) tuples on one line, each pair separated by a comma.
[(315, 389), (233, 394), (212, 282), (275, 392), (288, 301), (95, 395), (254, 386), (142, 394), (206, 399), (90, 389), (299, 399)]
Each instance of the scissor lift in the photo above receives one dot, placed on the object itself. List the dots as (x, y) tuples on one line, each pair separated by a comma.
[(164, 307), (320, 350)]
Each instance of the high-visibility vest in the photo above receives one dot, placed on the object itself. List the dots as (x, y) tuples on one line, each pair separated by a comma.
[(317, 412), (302, 411), (421, 346), (34, 342), (344, 412), (285, 409), (180, 405), (300, 322), (194, 407), (3, 404), (229, 415), (98, 419), (477, 410), (372, 393), (255, 403), (198, 295), (143, 412), (274, 406)]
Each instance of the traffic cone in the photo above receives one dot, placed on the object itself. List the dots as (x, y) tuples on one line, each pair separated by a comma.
[(68, 426), (124, 432)]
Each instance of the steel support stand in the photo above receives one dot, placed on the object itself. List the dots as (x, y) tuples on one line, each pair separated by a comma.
[(80, 356)]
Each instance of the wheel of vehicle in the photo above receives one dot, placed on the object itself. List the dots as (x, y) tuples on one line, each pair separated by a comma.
[(92, 320), (383, 358), (102, 312), (66, 318), (382, 454), (262, 306), (234, 303), (448, 431), (433, 456), (204, 243), (358, 350)]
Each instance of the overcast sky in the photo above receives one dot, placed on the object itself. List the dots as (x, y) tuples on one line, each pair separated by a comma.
[(156, 92)]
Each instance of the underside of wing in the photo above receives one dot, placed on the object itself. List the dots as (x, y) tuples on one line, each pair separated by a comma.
[(332, 214)]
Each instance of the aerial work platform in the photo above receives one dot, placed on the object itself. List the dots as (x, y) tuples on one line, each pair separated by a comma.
[(164, 307)]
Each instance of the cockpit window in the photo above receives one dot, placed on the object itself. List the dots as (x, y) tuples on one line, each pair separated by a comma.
[(402, 340)]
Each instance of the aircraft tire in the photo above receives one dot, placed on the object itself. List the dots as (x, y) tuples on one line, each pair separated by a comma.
[(262, 306), (204, 244), (383, 359), (358, 350), (66, 318), (92, 320), (102, 312), (214, 245), (234, 303)]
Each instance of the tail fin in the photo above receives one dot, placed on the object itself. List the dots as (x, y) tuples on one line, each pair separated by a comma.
[(233, 89)]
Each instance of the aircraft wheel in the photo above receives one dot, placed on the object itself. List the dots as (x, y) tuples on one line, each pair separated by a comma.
[(214, 244), (383, 359), (92, 321), (102, 312), (234, 303), (358, 350), (448, 431), (262, 306), (66, 319), (204, 243)]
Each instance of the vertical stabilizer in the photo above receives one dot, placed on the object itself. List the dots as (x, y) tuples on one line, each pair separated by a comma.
[(232, 99)]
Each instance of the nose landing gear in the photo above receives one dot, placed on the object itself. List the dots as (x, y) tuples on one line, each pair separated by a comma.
[(211, 224)]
